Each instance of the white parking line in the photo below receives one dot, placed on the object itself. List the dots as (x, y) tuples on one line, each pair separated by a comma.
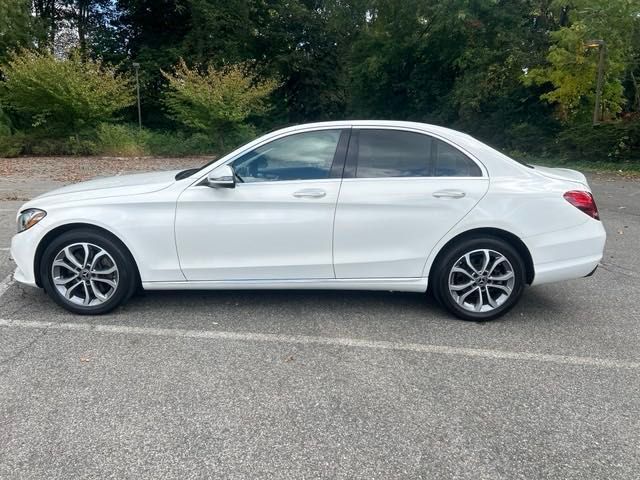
[(5, 249), (6, 283), (343, 342)]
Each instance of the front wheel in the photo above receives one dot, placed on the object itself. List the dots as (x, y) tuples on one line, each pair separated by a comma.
[(87, 272), (479, 279)]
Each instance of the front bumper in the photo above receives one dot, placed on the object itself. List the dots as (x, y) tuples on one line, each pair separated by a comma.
[(23, 252)]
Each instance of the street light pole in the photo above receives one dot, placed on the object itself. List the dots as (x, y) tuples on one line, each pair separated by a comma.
[(137, 67), (602, 49)]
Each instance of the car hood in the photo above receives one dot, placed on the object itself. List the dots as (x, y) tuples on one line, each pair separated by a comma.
[(114, 186), (562, 174)]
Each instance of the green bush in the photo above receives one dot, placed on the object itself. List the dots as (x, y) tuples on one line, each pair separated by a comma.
[(527, 137), (5, 123), (62, 97), (122, 140), (131, 141), (618, 141), (217, 102), (165, 144), (179, 145), (38, 144), (11, 145)]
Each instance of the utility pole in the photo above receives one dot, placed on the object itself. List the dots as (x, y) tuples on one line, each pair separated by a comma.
[(136, 65), (602, 50)]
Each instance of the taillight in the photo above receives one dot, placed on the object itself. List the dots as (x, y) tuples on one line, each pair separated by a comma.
[(583, 201)]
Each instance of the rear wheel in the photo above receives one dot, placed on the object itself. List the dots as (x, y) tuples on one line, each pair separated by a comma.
[(479, 279), (87, 272)]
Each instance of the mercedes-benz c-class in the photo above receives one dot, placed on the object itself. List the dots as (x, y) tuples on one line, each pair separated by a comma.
[(370, 205)]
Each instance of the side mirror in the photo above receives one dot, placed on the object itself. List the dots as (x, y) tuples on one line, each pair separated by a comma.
[(222, 177)]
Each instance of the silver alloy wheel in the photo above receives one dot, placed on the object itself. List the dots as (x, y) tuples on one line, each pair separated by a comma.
[(85, 274), (481, 280)]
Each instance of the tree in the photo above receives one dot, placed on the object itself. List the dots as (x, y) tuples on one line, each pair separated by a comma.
[(217, 102), (45, 14), (221, 31), (63, 96), (306, 43), (89, 21), (16, 28), (571, 67), (457, 62), (153, 33)]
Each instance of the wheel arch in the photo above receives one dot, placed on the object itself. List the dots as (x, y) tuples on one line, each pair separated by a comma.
[(53, 233), (508, 237)]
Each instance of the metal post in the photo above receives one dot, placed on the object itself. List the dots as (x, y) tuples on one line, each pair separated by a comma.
[(137, 67), (602, 49), (597, 114)]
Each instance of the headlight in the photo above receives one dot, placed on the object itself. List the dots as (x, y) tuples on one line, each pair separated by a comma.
[(29, 218)]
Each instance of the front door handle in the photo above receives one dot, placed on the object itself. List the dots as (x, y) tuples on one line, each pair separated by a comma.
[(449, 194), (310, 193)]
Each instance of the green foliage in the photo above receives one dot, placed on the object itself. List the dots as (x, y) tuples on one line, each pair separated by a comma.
[(617, 141), (37, 143), (168, 144), (131, 141), (572, 66), (513, 73), (5, 123), (122, 141), (16, 29), (110, 140), (455, 62), (11, 145), (217, 102), (63, 96)]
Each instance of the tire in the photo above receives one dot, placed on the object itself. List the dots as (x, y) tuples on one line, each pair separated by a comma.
[(88, 272), (475, 290)]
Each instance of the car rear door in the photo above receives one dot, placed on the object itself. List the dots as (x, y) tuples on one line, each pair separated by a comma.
[(402, 191)]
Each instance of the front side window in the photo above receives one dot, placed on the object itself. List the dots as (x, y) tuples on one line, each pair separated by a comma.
[(301, 156), (397, 153)]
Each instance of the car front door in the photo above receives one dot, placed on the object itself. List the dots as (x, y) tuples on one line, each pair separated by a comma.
[(277, 223), (402, 192)]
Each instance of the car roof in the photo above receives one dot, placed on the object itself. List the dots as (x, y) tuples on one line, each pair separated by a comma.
[(378, 123)]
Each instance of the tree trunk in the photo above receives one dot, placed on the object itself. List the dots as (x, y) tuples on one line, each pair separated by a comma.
[(636, 93), (82, 14), (45, 11)]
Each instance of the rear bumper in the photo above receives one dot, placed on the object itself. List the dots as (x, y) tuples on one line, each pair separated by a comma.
[(567, 254)]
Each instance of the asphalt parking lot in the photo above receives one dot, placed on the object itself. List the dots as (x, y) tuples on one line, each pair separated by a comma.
[(327, 384)]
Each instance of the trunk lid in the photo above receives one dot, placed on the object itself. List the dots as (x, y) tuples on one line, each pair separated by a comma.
[(562, 174)]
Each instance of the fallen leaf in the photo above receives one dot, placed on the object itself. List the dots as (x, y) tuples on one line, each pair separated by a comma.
[(289, 359)]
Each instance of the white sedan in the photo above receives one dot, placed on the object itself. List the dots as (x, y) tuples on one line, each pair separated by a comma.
[(368, 205)]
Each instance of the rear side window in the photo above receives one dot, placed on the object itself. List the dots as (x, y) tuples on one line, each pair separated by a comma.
[(397, 153), (451, 162), (393, 153)]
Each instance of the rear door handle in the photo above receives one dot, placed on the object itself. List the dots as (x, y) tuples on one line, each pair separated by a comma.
[(310, 193), (449, 194)]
